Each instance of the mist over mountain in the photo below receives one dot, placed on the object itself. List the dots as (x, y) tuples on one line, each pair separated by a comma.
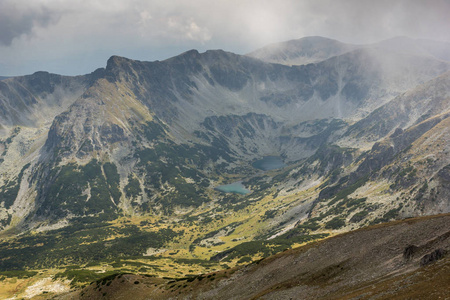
[(302, 51), (315, 49), (126, 159), (424, 47)]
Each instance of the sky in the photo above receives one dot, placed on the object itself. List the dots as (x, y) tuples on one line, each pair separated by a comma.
[(73, 37)]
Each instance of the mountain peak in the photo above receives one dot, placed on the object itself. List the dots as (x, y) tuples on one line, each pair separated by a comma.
[(194, 54), (40, 73), (116, 61), (191, 53)]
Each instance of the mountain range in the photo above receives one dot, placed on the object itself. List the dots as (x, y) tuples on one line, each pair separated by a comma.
[(111, 170)]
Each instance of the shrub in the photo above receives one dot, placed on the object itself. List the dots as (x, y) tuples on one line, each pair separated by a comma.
[(359, 216), (335, 223)]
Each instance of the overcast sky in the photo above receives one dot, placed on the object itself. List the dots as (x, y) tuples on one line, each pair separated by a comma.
[(77, 36)]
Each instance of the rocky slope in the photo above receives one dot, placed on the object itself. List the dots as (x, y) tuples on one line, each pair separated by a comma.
[(399, 260)]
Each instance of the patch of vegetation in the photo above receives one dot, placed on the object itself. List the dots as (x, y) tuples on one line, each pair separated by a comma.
[(311, 225), (133, 188), (351, 188), (67, 192), (14, 133), (335, 223), (269, 214), (170, 164), (245, 259), (8, 192), (404, 177), (20, 274), (152, 130), (264, 248), (421, 191), (355, 202), (390, 215), (359, 216), (113, 180), (343, 207), (83, 276), (301, 231), (331, 153), (79, 244), (338, 209)]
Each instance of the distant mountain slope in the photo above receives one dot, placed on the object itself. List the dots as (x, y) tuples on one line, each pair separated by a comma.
[(34, 99), (403, 171), (225, 107), (371, 262), (187, 88), (410, 108), (302, 51), (315, 49)]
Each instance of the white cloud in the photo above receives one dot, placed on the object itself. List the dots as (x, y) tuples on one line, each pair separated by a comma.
[(180, 28)]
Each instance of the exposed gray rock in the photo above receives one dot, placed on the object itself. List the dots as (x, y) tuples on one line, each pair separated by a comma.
[(432, 257)]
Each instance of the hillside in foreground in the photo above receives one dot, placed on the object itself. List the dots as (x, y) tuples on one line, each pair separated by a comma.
[(399, 260)]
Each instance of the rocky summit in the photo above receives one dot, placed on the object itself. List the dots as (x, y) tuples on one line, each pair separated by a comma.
[(119, 171)]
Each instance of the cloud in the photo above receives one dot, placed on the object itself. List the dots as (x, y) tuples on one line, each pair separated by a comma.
[(40, 32), (364, 20), (187, 29), (18, 18), (244, 22)]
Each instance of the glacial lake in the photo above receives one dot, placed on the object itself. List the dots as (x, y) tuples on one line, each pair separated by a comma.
[(269, 163), (235, 187), (266, 163)]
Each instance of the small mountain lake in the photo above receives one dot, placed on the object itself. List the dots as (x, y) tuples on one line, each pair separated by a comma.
[(235, 187), (269, 163), (266, 163)]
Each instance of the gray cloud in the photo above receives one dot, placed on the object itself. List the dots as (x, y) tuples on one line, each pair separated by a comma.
[(39, 33), (17, 19)]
